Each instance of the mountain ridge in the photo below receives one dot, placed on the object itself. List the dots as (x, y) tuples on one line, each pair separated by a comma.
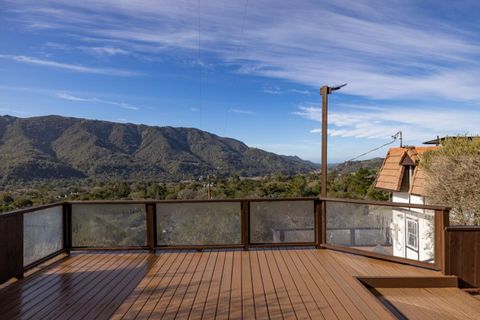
[(57, 147)]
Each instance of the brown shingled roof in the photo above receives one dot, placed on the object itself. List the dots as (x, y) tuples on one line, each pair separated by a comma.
[(392, 171)]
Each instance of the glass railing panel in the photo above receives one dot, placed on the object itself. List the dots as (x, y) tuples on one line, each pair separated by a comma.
[(199, 223), (42, 234), (282, 221), (394, 231), (108, 225)]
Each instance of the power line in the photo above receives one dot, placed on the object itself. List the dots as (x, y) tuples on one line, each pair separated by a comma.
[(235, 57), (200, 66), (394, 137)]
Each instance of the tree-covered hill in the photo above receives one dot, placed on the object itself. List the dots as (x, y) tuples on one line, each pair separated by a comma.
[(55, 147)]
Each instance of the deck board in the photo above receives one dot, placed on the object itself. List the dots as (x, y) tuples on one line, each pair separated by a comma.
[(225, 284)]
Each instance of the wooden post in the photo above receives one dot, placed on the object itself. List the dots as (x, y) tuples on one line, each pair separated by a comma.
[(441, 249), (67, 227), (324, 93), (245, 224), (151, 226), (319, 223), (11, 246), (20, 248)]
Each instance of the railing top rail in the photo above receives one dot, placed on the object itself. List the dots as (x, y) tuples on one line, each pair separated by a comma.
[(189, 201), (151, 201), (388, 204), (463, 228), (31, 209)]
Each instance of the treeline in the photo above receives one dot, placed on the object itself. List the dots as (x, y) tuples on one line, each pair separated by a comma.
[(357, 185)]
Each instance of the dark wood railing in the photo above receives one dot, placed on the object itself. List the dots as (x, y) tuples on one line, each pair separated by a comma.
[(12, 230), (462, 254)]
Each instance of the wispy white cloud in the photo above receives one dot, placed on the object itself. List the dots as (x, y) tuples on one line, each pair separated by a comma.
[(416, 123), (277, 91), (304, 92), (384, 51), (70, 97), (389, 51), (105, 51), (68, 66), (272, 90), (242, 111)]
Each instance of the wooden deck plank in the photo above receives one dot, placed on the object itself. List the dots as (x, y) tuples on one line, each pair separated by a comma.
[(298, 304), (186, 268), (189, 297), (248, 301), (261, 310), (223, 305), (184, 296), (331, 281), (318, 296), (33, 280), (201, 297), (163, 285), (42, 298), (226, 284), (123, 289), (71, 284), (140, 289), (271, 295), (142, 299), (98, 285), (22, 297), (309, 301), (235, 302), (283, 298), (327, 292), (367, 304), (210, 308)]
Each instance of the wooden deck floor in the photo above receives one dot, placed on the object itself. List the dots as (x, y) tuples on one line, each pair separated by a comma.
[(258, 284)]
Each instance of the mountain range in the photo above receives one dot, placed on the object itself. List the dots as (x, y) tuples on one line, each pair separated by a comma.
[(56, 147)]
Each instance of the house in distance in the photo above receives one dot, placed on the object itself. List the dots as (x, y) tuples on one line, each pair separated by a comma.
[(405, 179)]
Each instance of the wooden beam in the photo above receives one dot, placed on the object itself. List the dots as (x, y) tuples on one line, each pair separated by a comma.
[(410, 282), (245, 224), (151, 226)]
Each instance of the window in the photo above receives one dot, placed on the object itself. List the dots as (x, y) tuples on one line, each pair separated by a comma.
[(412, 234)]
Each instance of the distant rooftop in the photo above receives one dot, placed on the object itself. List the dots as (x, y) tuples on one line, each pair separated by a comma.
[(439, 140), (392, 173)]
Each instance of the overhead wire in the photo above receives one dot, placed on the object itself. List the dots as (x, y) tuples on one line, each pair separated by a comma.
[(395, 137), (235, 57), (199, 62)]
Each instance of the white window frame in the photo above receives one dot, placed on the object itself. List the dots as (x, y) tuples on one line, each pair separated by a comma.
[(412, 233)]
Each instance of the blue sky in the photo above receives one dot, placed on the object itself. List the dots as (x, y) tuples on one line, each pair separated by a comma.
[(249, 70)]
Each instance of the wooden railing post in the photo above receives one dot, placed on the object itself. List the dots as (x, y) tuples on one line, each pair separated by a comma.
[(151, 226), (67, 227), (245, 224), (11, 246), (20, 248), (319, 222), (441, 249)]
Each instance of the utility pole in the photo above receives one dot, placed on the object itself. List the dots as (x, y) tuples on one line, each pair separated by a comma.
[(209, 190), (324, 92)]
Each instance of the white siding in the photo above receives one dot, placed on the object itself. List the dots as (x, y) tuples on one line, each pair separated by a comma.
[(399, 228)]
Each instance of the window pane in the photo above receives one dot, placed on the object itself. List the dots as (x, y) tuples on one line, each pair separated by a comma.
[(42, 234), (108, 225), (381, 229), (199, 223), (282, 221)]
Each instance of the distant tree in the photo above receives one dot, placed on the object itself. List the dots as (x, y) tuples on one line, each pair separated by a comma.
[(453, 178), (6, 199)]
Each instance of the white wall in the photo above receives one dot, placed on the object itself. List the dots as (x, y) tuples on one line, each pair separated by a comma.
[(399, 228)]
